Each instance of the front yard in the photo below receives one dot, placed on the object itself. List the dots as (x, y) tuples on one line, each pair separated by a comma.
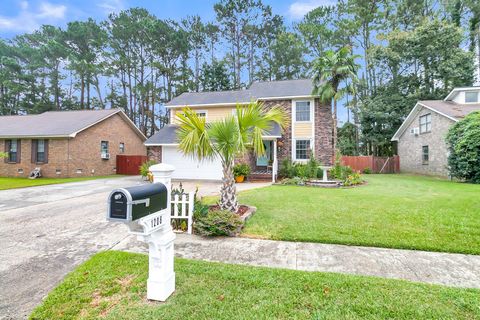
[(14, 183), (112, 285), (393, 211)]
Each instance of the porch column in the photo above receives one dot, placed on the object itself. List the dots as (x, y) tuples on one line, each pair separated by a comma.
[(275, 164)]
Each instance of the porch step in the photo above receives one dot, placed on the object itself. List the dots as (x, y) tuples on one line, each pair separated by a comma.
[(260, 177)]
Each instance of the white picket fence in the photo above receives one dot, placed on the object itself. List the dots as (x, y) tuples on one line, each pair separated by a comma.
[(182, 208)]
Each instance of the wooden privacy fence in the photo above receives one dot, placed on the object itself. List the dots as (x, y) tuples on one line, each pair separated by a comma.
[(182, 208), (130, 165), (376, 164)]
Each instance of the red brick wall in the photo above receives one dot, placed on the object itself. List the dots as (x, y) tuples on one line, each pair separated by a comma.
[(323, 131), (155, 153), (81, 152)]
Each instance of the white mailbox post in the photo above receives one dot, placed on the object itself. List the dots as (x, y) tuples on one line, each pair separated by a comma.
[(146, 210), (161, 277)]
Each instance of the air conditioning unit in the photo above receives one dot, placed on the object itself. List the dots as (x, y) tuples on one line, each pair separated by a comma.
[(105, 155), (415, 131)]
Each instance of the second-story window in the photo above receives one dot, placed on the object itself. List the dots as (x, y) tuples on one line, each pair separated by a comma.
[(121, 147), (302, 111), (426, 123)]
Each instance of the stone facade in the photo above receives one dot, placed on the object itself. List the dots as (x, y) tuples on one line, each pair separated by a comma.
[(410, 146), (79, 156), (323, 131), (155, 153)]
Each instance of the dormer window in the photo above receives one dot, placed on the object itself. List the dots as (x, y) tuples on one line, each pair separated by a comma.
[(471, 97)]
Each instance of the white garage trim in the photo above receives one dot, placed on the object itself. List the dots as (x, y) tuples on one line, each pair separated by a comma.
[(189, 168)]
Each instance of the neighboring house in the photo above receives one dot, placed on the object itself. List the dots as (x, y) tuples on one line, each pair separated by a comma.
[(309, 128), (67, 143), (421, 137)]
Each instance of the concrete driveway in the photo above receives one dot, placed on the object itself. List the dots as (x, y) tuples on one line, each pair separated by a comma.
[(46, 231)]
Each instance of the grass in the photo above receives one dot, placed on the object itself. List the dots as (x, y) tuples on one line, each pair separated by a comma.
[(112, 285), (14, 183), (392, 211)]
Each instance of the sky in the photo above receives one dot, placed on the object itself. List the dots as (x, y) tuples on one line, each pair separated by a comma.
[(20, 16)]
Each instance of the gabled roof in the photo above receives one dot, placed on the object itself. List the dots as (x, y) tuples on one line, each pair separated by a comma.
[(266, 90), (57, 124), (168, 135), (449, 109)]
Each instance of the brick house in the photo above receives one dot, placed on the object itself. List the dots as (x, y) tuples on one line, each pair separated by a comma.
[(421, 137), (309, 128), (67, 143)]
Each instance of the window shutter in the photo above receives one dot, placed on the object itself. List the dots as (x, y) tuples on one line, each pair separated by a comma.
[(7, 150), (46, 151), (34, 151), (19, 150)]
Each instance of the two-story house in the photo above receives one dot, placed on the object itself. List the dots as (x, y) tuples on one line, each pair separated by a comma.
[(421, 138), (309, 129)]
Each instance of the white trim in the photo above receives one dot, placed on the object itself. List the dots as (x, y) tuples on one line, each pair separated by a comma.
[(221, 104), (36, 136), (288, 97), (159, 144), (294, 149), (408, 119), (455, 90), (206, 105), (294, 111)]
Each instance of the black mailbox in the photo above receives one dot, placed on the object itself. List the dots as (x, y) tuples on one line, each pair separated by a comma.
[(129, 204)]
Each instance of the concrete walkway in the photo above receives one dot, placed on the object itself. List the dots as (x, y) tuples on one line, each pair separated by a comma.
[(457, 270)]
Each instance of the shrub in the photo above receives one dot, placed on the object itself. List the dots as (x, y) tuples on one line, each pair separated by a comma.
[(241, 169), (145, 167), (287, 170), (218, 223), (367, 170), (463, 140), (353, 179), (293, 181)]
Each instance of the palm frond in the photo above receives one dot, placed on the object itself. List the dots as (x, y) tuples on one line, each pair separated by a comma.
[(193, 135)]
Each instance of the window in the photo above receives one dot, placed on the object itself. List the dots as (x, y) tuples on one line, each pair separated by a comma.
[(122, 147), (12, 147), (302, 149), (426, 123), (104, 147), (40, 150), (302, 111), (425, 155), (201, 114), (471, 97)]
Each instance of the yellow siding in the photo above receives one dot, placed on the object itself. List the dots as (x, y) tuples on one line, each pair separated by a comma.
[(213, 113), (302, 130)]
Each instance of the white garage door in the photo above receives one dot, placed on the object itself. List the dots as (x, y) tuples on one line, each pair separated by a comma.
[(189, 168)]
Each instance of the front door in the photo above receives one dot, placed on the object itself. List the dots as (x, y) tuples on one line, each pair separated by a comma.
[(262, 161)]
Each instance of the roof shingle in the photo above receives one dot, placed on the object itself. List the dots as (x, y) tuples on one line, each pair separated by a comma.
[(52, 123), (258, 90)]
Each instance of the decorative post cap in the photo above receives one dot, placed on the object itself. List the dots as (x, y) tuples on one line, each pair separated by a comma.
[(162, 167)]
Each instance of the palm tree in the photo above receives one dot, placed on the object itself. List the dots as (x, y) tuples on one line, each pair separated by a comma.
[(330, 70), (226, 139)]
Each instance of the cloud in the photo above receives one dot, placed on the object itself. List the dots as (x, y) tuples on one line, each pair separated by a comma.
[(109, 6), (30, 18), (300, 8)]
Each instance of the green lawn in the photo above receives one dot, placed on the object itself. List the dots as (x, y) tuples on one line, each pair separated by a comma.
[(14, 183), (112, 285), (393, 211)]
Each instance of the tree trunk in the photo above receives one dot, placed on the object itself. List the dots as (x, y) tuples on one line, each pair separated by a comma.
[(334, 116), (228, 192)]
